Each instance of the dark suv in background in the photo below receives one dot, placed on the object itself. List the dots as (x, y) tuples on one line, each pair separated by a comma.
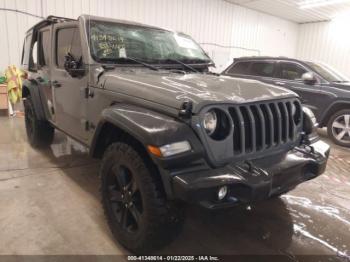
[(322, 89)]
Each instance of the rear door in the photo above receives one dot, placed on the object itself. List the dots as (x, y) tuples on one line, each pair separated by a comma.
[(239, 69), (43, 74), (263, 70), (70, 104), (36, 61), (259, 70)]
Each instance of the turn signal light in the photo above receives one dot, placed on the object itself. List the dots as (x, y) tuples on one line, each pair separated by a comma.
[(170, 149), (155, 151)]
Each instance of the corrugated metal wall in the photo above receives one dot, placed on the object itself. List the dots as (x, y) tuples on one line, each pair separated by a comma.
[(327, 42), (221, 26)]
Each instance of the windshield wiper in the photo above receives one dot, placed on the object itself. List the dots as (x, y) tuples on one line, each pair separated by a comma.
[(126, 59), (181, 63), (197, 61), (185, 65)]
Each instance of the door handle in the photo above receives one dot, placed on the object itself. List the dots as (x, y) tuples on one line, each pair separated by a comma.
[(56, 84)]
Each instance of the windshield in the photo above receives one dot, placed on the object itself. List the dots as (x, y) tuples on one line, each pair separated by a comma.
[(111, 42), (328, 73)]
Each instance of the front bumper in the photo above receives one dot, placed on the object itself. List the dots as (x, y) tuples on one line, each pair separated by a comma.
[(254, 180)]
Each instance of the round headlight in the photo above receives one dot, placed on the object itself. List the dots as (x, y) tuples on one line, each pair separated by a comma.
[(210, 122)]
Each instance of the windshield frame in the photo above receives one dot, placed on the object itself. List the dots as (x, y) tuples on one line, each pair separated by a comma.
[(209, 62)]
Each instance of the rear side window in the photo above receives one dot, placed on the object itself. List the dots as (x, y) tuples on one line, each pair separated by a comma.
[(44, 48), (291, 71), (240, 68), (26, 54), (265, 69), (68, 41)]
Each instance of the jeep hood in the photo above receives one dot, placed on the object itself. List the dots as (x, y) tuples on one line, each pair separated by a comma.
[(172, 89)]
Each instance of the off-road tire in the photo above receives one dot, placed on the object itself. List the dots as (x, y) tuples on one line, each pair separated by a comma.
[(159, 222), (331, 131), (39, 132)]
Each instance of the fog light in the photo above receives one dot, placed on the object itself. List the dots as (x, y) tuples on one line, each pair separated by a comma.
[(222, 192)]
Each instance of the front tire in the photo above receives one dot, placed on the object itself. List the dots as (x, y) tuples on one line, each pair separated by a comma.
[(40, 133), (137, 212), (339, 128)]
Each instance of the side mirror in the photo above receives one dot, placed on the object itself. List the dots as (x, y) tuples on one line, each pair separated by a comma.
[(309, 78), (74, 67)]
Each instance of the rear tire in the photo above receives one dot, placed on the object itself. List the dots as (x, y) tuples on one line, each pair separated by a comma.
[(338, 128), (40, 133), (137, 212)]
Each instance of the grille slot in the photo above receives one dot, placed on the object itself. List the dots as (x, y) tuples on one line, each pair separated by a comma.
[(262, 126), (238, 144), (259, 127), (248, 129), (290, 126)]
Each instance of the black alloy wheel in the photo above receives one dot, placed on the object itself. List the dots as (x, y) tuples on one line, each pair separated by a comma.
[(137, 211), (125, 198)]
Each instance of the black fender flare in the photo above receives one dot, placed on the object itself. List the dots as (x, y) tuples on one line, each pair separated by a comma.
[(151, 128), (147, 126), (30, 88), (332, 108)]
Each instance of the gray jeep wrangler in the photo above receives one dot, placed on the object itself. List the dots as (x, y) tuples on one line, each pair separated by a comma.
[(167, 130)]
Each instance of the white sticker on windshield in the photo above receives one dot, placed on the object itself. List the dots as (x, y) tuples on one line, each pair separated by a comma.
[(185, 42), (122, 52)]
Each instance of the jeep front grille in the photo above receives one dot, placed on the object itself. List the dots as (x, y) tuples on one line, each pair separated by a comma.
[(262, 126)]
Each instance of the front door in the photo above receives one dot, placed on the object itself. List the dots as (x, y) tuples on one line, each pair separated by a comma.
[(69, 92), (290, 76)]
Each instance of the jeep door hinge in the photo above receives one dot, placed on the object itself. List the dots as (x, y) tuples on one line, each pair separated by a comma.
[(89, 93), (186, 109)]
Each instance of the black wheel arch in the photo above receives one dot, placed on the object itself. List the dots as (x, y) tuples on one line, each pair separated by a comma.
[(331, 110), (31, 89), (144, 127)]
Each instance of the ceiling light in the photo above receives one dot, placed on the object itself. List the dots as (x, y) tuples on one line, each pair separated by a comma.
[(307, 4)]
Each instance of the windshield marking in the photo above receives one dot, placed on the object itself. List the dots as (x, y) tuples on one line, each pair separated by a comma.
[(110, 41)]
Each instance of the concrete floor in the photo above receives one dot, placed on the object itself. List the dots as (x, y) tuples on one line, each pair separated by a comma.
[(49, 205)]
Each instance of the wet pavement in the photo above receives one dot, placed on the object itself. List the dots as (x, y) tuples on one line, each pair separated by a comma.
[(49, 204)]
